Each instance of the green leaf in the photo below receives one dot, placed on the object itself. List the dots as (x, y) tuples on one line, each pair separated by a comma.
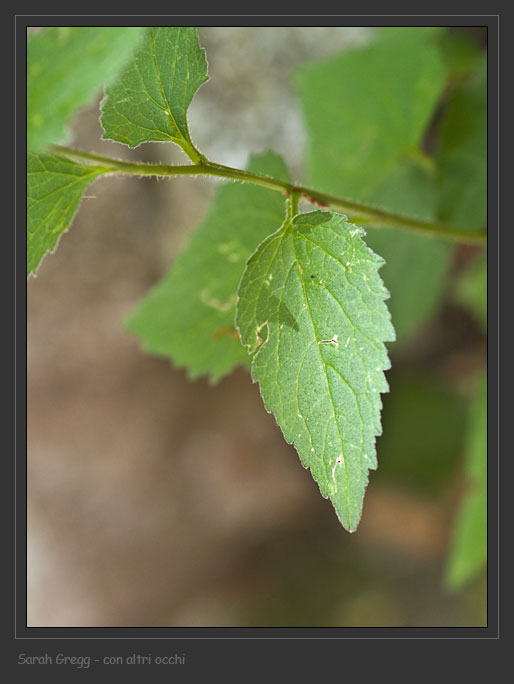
[(54, 188), (384, 96), (189, 316), (471, 290), (66, 67), (149, 101), (366, 109), (311, 311), (468, 552), (469, 545), (476, 454), (462, 154)]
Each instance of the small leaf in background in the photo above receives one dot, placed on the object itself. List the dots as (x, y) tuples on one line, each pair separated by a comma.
[(311, 312), (54, 189), (66, 67), (468, 552), (149, 100), (189, 316), (462, 154), (384, 96), (471, 290)]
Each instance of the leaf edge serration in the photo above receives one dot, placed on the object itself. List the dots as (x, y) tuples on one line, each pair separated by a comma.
[(256, 346)]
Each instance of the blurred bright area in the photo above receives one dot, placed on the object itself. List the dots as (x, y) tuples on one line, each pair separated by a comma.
[(156, 501)]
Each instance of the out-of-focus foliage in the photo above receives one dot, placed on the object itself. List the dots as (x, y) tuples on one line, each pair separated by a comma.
[(384, 95), (189, 316), (471, 290), (468, 553), (415, 267), (424, 425), (66, 67), (462, 153)]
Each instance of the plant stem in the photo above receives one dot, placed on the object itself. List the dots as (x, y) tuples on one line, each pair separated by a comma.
[(369, 214)]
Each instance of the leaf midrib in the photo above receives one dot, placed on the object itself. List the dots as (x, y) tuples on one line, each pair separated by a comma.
[(163, 93), (325, 375)]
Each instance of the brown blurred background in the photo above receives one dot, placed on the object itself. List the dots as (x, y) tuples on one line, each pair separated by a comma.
[(155, 501)]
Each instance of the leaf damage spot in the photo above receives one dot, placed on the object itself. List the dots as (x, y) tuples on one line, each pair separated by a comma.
[(259, 342), (333, 341), (339, 461)]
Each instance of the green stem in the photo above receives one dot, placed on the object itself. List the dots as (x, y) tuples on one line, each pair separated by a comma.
[(371, 215), (292, 204)]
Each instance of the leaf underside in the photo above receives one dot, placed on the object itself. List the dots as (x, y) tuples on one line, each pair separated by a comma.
[(311, 311)]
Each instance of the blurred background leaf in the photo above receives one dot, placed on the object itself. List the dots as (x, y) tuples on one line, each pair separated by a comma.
[(384, 95), (468, 553), (462, 153), (383, 147), (424, 425), (66, 67), (471, 289), (189, 316)]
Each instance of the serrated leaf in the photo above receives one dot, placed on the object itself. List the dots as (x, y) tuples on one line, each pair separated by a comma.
[(54, 189), (311, 311), (462, 154), (384, 96), (468, 552), (189, 316), (66, 67), (150, 99)]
